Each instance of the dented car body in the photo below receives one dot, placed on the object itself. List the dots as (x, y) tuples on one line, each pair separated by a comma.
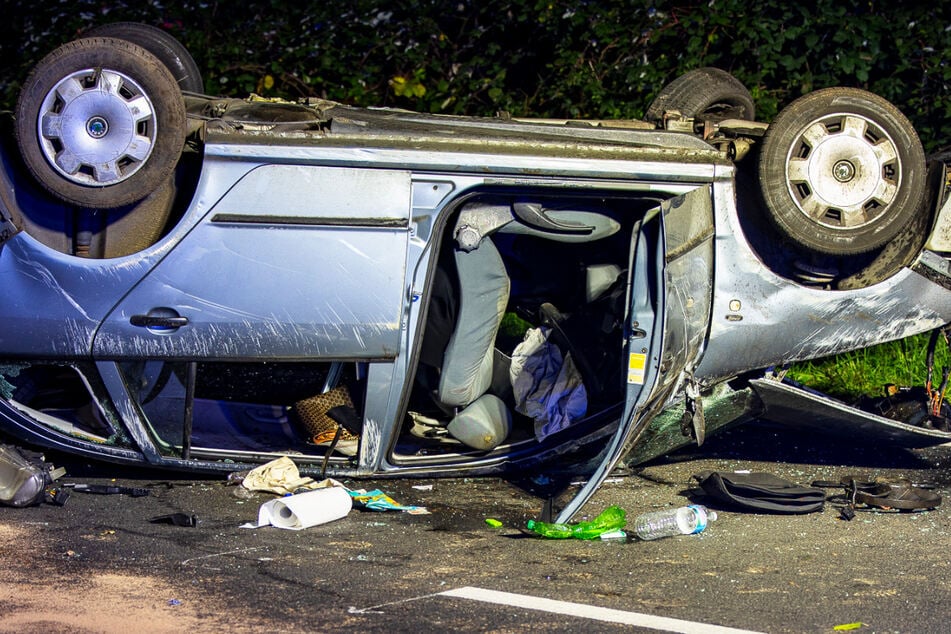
[(379, 269)]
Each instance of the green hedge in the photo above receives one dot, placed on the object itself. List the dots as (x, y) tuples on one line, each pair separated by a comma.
[(604, 58)]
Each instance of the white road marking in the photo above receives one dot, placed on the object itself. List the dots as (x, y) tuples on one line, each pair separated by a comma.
[(582, 610), (230, 552)]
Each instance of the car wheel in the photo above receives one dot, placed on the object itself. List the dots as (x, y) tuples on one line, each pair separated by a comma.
[(704, 91), (842, 171), (100, 123), (166, 48)]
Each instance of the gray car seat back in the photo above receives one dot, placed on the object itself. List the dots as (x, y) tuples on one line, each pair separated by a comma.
[(483, 295)]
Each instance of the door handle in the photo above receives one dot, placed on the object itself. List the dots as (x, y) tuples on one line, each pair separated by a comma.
[(158, 321), (534, 215)]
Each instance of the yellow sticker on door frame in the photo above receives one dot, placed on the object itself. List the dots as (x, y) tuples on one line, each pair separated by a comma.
[(636, 368)]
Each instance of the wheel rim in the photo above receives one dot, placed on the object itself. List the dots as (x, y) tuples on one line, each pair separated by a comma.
[(97, 127), (843, 171)]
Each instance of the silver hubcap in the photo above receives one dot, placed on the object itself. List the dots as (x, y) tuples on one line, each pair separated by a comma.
[(843, 171), (96, 127)]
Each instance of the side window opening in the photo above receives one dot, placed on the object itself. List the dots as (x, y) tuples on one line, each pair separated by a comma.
[(240, 410), (250, 407), (60, 396)]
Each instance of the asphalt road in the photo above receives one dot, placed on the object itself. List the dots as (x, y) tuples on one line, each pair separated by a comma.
[(98, 565)]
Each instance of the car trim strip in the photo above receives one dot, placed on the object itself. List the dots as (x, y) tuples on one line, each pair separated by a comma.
[(257, 219)]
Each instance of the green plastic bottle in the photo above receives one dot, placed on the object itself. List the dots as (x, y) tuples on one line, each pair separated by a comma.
[(611, 519)]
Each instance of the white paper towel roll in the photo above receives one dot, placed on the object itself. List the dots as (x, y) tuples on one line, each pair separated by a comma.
[(296, 512)]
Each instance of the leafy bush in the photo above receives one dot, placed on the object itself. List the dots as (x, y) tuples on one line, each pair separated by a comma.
[(541, 58)]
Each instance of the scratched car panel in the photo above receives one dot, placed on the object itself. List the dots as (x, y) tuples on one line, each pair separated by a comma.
[(383, 293)]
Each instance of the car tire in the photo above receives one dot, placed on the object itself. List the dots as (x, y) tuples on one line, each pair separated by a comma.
[(166, 48), (842, 171), (100, 123), (704, 91)]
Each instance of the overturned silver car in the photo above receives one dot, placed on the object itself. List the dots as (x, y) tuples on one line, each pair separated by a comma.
[(206, 283)]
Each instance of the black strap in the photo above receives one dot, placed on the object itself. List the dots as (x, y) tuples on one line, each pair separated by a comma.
[(104, 489)]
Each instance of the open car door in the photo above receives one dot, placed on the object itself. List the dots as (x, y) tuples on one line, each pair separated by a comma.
[(670, 293)]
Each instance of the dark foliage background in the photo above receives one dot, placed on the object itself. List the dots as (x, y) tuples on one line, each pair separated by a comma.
[(604, 58)]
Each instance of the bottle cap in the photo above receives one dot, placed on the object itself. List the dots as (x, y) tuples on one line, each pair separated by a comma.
[(614, 536), (702, 516)]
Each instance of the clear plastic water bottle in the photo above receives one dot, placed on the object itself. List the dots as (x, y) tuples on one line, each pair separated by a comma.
[(685, 520)]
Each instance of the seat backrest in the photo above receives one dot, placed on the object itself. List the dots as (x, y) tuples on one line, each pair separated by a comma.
[(483, 295)]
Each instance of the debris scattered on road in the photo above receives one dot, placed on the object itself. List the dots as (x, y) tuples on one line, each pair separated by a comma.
[(24, 478), (899, 495), (760, 492), (377, 500), (279, 476), (242, 494), (617, 536), (176, 519), (108, 489), (685, 520), (303, 510), (611, 519), (56, 496)]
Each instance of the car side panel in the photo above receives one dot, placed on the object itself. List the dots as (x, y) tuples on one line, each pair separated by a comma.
[(760, 318), (295, 262), (53, 303)]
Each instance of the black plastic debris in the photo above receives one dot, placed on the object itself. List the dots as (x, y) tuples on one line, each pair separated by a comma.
[(176, 519), (56, 496), (106, 489)]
